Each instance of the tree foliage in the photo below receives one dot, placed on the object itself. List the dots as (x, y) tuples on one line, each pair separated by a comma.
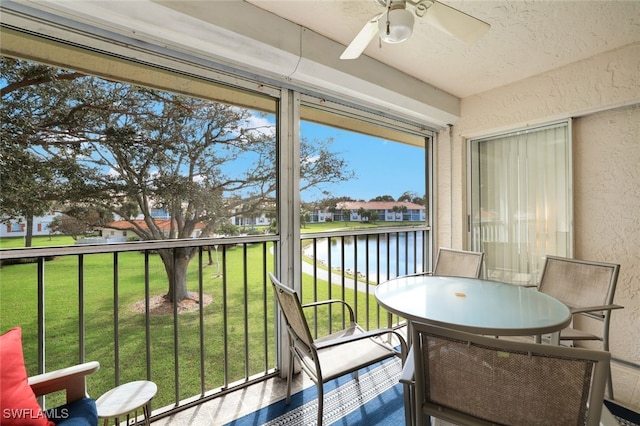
[(69, 225), (129, 150), (80, 220), (31, 181), (412, 197), (369, 216), (383, 198)]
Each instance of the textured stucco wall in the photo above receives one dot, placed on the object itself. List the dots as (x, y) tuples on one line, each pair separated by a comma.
[(603, 95), (606, 177), (604, 81)]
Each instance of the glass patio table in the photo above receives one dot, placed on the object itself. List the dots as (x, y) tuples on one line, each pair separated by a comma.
[(474, 305)]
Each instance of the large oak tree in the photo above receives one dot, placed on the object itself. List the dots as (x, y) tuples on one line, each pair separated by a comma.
[(126, 148)]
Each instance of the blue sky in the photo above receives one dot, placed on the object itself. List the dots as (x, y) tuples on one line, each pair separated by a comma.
[(382, 167)]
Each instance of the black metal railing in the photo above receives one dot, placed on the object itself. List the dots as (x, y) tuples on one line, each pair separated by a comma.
[(105, 303), (348, 264)]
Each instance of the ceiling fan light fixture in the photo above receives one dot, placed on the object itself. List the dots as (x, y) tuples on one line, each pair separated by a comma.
[(396, 25)]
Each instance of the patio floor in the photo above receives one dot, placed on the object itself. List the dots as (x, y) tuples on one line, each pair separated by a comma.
[(239, 403), (234, 405)]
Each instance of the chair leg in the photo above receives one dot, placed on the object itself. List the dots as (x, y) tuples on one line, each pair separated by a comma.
[(408, 409), (605, 347), (290, 376), (320, 402)]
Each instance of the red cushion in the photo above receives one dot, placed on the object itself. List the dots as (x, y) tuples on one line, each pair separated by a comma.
[(18, 404)]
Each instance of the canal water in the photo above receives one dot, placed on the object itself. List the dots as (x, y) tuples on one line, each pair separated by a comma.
[(404, 255)]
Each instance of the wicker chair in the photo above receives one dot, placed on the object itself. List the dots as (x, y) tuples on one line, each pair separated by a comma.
[(587, 288), (342, 352), (469, 379)]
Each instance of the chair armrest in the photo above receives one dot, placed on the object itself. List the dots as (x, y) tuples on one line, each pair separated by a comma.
[(583, 309), (419, 274), (407, 374), (366, 335), (330, 301), (596, 312), (71, 379)]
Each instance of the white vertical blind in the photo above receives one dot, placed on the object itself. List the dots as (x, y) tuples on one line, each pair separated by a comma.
[(521, 206)]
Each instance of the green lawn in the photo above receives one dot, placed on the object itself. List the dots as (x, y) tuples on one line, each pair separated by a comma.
[(18, 307), (54, 240)]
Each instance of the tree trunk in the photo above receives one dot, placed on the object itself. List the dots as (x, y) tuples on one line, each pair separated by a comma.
[(176, 267), (28, 235)]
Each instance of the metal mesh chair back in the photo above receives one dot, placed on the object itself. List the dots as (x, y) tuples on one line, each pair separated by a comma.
[(470, 379), (458, 263), (579, 283), (587, 288), (293, 314)]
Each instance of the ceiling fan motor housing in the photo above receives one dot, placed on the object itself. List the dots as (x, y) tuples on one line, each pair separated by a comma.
[(396, 25)]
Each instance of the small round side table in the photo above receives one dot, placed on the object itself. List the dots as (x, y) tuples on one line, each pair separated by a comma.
[(126, 399)]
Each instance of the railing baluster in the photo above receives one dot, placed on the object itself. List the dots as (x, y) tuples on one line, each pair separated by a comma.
[(245, 300), (201, 318), (265, 312), (378, 278), (343, 281), (329, 276), (396, 253), (41, 312), (415, 251), (81, 320), (116, 321), (367, 280), (355, 275), (225, 320), (315, 285), (176, 336), (147, 314), (41, 330)]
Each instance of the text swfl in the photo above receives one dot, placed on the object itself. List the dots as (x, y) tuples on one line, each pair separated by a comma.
[(28, 413)]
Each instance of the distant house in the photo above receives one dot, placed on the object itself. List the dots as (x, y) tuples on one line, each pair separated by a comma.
[(259, 219), (255, 218), (320, 216), (123, 230), (18, 228), (388, 211)]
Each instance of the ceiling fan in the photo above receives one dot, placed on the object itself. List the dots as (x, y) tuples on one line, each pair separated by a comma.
[(395, 24)]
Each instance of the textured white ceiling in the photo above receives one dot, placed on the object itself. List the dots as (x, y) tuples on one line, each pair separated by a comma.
[(526, 37), (299, 42)]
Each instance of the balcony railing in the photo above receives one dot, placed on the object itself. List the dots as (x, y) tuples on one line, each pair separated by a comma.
[(104, 303)]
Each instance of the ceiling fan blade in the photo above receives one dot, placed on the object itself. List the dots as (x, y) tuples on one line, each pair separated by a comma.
[(362, 40), (456, 23)]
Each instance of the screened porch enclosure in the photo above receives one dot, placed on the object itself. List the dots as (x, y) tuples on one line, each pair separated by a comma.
[(96, 301), (204, 185)]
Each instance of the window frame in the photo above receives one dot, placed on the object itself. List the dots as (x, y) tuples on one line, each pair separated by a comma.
[(473, 206)]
